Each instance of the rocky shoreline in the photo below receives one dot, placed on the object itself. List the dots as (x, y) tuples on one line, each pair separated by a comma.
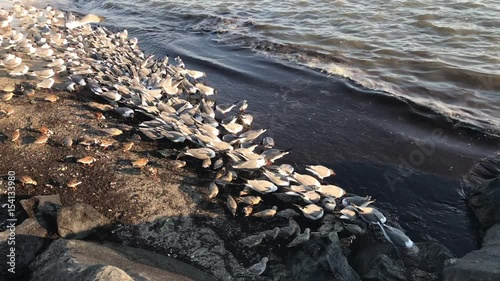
[(55, 241), (165, 213)]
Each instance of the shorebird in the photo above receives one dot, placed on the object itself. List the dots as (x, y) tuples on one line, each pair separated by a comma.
[(253, 240), (357, 200), (140, 163), (258, 268), (213, 190), (301, 238), (199, 153), (73, 183), (42, 139), (306, 180), (207, 91), (370, 214), (396, 236), (231, 205), (329, 203), (87, 160), (46, 84), (44, 74), (249, 200), (85, 20), (20, 70), (312, 211), (15, 135), (271, 234), (262, 186), (320, 171), (27, 180), (330, 190), (266, 213)]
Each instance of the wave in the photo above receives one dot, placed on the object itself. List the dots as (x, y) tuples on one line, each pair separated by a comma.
[(466, 103)]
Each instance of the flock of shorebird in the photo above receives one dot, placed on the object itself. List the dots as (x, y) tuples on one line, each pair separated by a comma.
[(181, 109)]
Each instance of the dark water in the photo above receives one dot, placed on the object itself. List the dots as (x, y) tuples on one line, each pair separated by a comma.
[(405, 153)]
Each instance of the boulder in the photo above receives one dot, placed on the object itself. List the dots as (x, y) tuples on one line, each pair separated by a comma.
[(30, 239), (319, 259), (382, 261), (482, 187), (479, 265), (79, 221), (44, 209), (70, 260)]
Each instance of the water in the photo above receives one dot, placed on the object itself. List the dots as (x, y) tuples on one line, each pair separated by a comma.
[(438, 54), (366, 88)]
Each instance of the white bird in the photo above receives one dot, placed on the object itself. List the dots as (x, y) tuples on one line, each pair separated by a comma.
[(320, 171), (44, 74), (273, 154), (329, 203), (125, 112), (20, 70), (266, 213), (90, 18), (396, 236), (199, 153), (312, 211), (330, 190), (195, 74), (357, 200), (207, 91), (46, 84), (262, 186), (250, 164), (258, 268), (253, 240), (233, 127), (11, 62), (306, 180), (225, 108), (349, 213), (276, 178), (370, 214), (251, 135)]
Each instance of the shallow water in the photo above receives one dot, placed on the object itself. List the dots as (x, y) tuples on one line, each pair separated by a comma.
[(408, 152)]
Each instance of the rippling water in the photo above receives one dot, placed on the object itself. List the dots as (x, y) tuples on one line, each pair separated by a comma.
[(440, 55), (381, 79)]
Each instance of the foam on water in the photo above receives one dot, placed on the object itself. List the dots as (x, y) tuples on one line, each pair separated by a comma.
[(438, 55)]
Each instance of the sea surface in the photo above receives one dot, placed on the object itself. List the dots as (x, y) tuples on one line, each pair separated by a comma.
[(401, 98)]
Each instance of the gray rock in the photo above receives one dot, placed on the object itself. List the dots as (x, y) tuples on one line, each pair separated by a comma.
[(111, 273), (480, 265), (44, 209), (484, 201), (70, 260), (482, 187), (319, 259), (384, 268), (79, 221), (381, 261), (30, 239)]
